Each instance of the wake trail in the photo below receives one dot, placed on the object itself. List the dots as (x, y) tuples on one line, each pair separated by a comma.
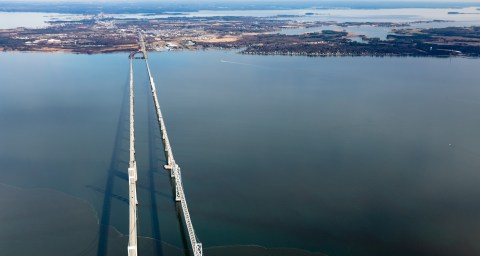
[(244, 64)]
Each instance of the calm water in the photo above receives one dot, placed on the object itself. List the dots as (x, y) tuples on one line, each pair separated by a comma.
[(32, 19), (320, 13), (22, 19), (380, 32), (470, 16), (346, 156)]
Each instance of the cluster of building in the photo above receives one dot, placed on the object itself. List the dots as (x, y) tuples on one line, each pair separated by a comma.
[(101, 33)]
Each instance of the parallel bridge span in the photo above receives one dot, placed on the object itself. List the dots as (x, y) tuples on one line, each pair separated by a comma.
[(132, 175), (171, 165)]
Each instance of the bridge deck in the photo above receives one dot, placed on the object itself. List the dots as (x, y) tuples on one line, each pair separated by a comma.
[(132, 176), (171, 165)]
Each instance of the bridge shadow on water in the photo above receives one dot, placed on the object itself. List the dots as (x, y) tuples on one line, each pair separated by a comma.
[(154, 166), (117, 169), (157, 159)]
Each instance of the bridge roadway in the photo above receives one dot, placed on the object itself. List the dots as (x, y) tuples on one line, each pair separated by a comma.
[(171, 165), (132, 175)]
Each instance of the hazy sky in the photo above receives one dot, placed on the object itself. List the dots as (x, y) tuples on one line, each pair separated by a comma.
[(197, 1), (477, 2)]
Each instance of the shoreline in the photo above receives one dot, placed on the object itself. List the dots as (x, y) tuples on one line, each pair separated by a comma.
[(242, 52)]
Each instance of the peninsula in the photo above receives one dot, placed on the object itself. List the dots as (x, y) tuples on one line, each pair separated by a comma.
[(251, 35)]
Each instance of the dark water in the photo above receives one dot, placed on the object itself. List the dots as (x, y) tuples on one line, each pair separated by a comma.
[(345, 156)]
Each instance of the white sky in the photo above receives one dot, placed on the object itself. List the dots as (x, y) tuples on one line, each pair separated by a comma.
[(225, 1)]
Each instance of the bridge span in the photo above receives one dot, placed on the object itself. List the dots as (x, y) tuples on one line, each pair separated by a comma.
[(132, 176), (171, 165)]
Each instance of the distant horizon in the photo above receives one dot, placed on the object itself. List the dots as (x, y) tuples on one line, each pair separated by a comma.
[(161, 6), (238, 1)]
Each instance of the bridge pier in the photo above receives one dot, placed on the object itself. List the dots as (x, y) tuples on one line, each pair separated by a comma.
[(171, 165), (132, 174)]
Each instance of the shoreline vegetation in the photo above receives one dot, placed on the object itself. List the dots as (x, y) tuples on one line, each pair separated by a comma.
[(250, 35)]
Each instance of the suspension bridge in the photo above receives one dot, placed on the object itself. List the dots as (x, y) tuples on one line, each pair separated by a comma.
[(172, 166)]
